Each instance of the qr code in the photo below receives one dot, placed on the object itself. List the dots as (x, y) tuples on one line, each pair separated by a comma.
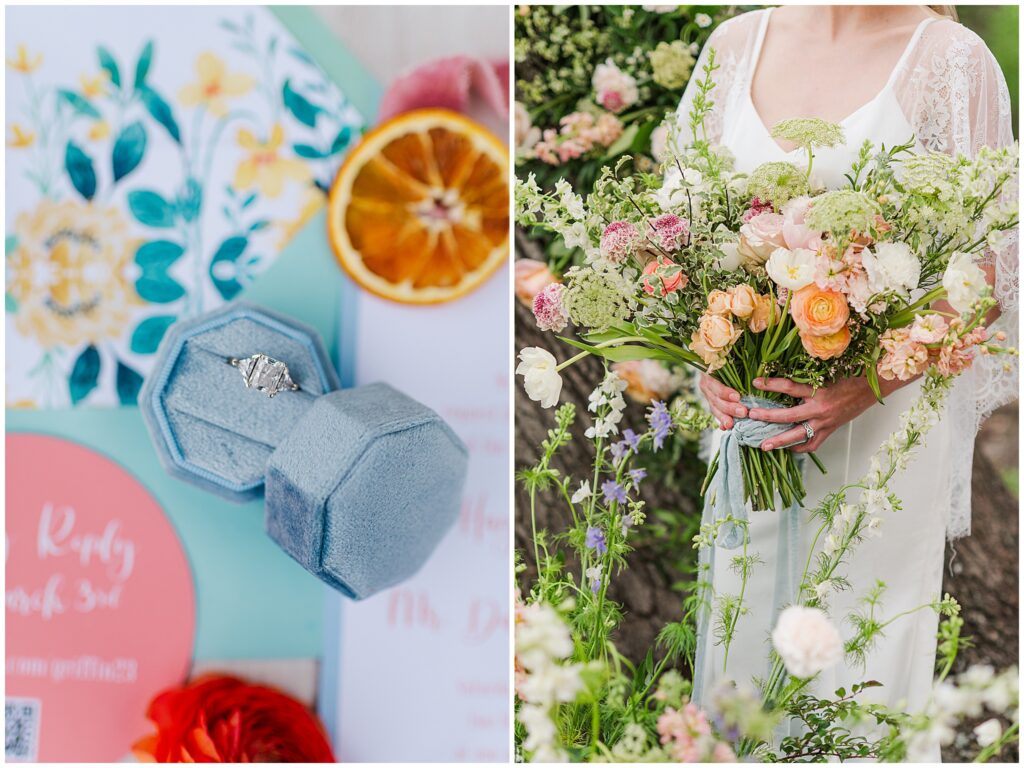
[(21, 726)]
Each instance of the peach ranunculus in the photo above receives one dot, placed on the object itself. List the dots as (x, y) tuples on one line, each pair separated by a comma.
[(668, 284), (759, 237), (817, 312), (763, 314), (742, 300), (719, 303), (826, 347), (530, 277)]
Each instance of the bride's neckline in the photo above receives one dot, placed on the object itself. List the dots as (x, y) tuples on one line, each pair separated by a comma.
[(756, 58)]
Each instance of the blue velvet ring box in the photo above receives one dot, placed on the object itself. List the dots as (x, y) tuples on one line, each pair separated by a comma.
[(360, 485)]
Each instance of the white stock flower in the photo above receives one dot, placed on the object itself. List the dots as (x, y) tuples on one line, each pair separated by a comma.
[(582, 493), (891, 267), (538, 367), (988, 732), (541, 636), (964, 282), (806, 641), (791, 269)]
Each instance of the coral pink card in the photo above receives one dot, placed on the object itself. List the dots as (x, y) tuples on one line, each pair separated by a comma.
[(100, 603)]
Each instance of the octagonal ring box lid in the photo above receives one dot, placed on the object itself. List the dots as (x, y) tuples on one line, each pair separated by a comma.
[(360, 484)]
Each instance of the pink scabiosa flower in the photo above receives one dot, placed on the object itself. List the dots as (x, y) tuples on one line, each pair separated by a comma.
[(619, 241), (757, 207), (548, 309), (668, 284), (615, 90), (670, 231)]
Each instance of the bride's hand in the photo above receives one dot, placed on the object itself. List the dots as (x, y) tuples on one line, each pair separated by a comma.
[(724, 401), (826, 410)]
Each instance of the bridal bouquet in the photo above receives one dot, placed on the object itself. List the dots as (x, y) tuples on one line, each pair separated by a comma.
[(765, 274)]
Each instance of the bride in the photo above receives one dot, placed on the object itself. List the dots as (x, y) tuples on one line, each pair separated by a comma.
[(884, 74)]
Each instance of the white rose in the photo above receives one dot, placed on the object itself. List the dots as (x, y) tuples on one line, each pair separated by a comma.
[(538, 367), (891, 267), (731, 259), (806, 641), (964, 282), (791, 269), (988, 732)]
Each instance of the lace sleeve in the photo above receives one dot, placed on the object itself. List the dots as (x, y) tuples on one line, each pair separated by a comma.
[(956, 99), (732, 42)]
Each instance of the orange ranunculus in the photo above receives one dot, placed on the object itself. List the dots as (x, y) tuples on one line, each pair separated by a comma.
[(826, 347), (819, 312), (220, 719)]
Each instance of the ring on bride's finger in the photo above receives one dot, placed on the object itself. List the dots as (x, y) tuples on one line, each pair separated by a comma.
[(809, 430), (264, 374)]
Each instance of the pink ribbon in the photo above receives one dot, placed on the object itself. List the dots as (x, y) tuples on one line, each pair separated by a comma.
[(449, 83)]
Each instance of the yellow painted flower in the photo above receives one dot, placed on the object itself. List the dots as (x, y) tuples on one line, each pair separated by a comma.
[(100, 130), (311, 205), (215, 86), (94, 87), (23, 62), (19, 139), (69, 273), (263, 168)]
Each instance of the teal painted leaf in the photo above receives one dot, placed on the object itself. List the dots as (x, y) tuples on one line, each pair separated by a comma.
[(151, 209), (341, 140), (109, 65), (84, 374), (128, 150), (160, 110), (79, 103), (80, 170), (10, 303), (190, 200), (10, 243), (158, 254), (227, 253), (309, 151), (142, 66), (149, 333), (129, 383), (256, 226), (158, 288), (298, 105)]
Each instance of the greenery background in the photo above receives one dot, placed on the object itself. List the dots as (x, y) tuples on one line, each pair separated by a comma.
[(997, 25)]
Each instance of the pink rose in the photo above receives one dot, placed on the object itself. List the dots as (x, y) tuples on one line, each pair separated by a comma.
[(759, 237), (795, 233)]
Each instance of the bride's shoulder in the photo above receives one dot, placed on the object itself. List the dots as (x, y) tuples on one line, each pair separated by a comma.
[(737, 31), (950, 41)]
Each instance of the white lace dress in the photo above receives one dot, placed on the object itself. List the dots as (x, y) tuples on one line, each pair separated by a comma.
[(948, 91)]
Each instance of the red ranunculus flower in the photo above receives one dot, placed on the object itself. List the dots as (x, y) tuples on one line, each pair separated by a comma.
[(220, 719)]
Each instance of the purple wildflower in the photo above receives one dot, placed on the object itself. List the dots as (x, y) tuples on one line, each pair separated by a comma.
[(618, 450), (661, 422), (638, 474), (595, 540), (613, 492), (632, 439)]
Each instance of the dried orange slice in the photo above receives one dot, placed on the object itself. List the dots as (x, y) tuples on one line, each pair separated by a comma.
[(418, 212)]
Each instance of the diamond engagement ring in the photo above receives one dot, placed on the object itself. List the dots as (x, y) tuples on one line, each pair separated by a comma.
[(264, 374), (809, 430)]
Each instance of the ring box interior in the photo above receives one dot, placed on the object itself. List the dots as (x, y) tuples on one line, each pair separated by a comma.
[(360, 485)]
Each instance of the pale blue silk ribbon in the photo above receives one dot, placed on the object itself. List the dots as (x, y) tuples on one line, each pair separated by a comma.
[(725, 499)]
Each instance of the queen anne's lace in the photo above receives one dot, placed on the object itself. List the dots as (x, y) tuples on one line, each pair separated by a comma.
[(953, 94)]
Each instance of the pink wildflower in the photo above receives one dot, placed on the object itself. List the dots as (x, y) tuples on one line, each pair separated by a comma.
[(671, 231), (548, 308), (619, 241)]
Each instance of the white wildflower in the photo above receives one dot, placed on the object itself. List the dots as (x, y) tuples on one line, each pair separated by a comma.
[(806, 641)]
